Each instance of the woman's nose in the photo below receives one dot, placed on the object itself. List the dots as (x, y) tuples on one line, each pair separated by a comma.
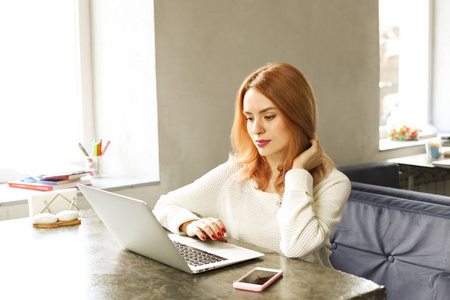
[(258, 128)]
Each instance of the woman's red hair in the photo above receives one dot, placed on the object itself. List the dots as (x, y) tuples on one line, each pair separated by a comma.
[(291, 93)]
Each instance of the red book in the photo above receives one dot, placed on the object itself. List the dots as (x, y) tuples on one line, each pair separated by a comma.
[(45, 187), (30, 186)]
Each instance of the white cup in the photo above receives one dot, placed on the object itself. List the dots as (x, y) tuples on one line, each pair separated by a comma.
[(94, 164)]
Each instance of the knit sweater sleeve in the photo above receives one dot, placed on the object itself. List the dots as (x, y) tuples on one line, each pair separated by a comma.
[(308, 215), (193, 201)]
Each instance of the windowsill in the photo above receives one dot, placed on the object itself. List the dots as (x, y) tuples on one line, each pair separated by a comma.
[(386, 144), (14, 196)]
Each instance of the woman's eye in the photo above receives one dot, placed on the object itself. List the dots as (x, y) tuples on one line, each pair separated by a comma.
[(249, 119), (269, 117)]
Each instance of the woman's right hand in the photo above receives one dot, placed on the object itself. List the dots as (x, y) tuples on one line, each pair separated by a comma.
[(205, 228), (310, 158)]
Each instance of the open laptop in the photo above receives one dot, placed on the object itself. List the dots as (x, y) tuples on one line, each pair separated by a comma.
[(135, 227)]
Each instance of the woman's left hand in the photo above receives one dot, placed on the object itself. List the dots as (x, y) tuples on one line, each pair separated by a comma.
[(310, 158)]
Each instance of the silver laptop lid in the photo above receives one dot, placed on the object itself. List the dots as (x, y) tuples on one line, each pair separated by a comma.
[(134, 226)]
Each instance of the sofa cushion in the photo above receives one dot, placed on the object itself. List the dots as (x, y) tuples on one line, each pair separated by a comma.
[(398, 243), (440, 285)]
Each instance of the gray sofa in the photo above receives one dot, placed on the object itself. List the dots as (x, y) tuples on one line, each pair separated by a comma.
[(396, 238)]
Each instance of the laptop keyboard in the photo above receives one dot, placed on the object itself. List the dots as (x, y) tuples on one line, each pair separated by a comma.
[(196, 257)]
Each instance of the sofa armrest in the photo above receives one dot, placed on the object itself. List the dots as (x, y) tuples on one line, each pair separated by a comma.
[(377, 173), (400, 193)]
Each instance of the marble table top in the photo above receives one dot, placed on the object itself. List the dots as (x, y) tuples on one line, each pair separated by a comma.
[(85, 262)]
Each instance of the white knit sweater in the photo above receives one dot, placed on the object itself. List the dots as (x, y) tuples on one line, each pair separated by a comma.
[(300, 228)]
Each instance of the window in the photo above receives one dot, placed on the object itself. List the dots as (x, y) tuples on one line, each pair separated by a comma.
[(40, 111), (70, 72), (404, 63)]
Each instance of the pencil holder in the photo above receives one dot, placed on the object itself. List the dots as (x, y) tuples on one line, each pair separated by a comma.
[(94, 164)]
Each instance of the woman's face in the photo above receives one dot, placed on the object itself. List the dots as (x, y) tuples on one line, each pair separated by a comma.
[(266, 126)]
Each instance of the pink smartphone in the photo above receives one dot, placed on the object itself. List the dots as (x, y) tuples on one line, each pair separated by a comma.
[(257, 279)]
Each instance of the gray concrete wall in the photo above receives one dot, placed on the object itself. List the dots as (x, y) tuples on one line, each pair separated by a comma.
[(205, 48)]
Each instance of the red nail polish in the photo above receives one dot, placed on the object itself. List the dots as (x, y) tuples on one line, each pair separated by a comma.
[(219, 234), (214, 237), (203, 238), (224, 230)]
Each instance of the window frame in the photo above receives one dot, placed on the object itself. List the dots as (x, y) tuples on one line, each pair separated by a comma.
[(84, 62)]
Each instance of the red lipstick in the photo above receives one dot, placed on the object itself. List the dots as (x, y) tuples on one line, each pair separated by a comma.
[(261, 143)]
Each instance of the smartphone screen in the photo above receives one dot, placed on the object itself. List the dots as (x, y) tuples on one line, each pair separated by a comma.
[(258, 276), (257, 279)]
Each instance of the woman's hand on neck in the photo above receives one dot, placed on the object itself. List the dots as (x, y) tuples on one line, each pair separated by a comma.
[(310, 158)]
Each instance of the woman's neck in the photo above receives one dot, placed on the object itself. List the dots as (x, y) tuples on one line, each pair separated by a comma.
[(274, 173), (270, 188)]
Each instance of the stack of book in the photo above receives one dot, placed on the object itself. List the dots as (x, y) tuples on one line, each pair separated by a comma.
[(51, 182)]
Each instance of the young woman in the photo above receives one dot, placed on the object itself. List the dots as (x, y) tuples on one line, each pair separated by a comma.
[(277, 190)]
